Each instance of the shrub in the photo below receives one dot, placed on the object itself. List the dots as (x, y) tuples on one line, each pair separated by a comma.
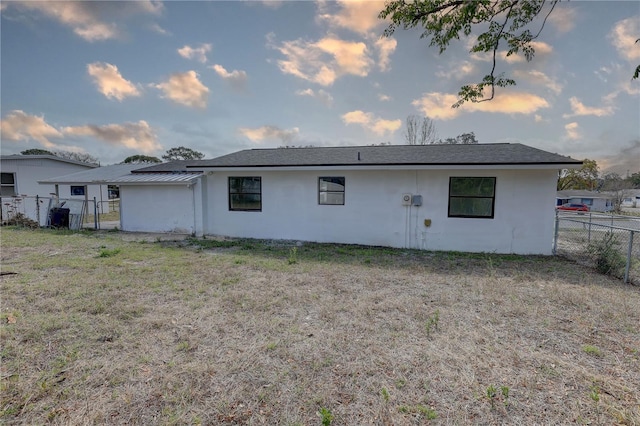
[(608, 258)]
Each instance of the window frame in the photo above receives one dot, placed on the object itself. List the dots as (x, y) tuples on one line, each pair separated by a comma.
[(343, 192), (230, 193), (8, 185), (73, 194), (493, 198)]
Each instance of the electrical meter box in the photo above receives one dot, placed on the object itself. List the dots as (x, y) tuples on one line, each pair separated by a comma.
[(416, 200)]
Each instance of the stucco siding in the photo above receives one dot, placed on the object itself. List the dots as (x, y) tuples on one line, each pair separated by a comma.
[(374, 215), (161, 208)]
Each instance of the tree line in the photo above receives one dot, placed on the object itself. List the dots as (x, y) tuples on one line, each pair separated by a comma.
[(172, 154)]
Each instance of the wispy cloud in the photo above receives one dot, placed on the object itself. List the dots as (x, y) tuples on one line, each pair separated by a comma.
[(457, 70), (369, 121), (197, 53), (578, 109), (358, 16), (110, 82), (92, 21), (236, 78), (623, 36), (438, 105), (563, 18), (323, 61), (136, 136), (385, 47), (572, 131), (321, 95), (263, 133), (18, 126), (539, 78), (185, 89)]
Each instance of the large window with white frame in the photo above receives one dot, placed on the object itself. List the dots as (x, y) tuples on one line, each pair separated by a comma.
[(7, 185), (472, 197), (245, 193), (331, 190)]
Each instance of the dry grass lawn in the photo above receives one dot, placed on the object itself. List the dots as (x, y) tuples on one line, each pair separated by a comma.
[(99, 329)]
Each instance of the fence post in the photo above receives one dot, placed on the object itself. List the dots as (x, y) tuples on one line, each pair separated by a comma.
[(95, 214), (555, 236), (589, 234), (626, 269), (38, 209)]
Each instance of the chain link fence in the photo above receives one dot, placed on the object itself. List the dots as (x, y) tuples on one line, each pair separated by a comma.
[(609, 243), (75, 214)]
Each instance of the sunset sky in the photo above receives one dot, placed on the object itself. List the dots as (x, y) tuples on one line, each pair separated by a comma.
[(115, 79)]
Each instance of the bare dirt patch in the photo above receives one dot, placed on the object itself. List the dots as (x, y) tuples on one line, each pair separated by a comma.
[(96, 329)]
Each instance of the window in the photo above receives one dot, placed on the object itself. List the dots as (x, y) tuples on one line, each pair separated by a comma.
[(472, 197), (245, 193), (331, 190), (77, 190), (8, 185)]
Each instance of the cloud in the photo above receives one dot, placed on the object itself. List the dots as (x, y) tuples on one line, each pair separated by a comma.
[(385, 46), (323, 61), (457, 71), (89, 20), (197, 53), (260, 134), (18, 126), (623, 36), (186, 89), (358, 16), (624, 161), (370, 122), (237, 79), (321, 95), (156, 28), (563, 18), (383, 98), (540, 48), (578, 109), (572, 131), (110, 82), (540, 78), (136, 136), (437, 105)]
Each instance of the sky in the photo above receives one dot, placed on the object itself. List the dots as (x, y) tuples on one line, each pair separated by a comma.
[(115, 79)]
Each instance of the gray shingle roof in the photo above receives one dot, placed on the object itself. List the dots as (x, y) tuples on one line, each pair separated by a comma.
[(177, 166), (386, 155)]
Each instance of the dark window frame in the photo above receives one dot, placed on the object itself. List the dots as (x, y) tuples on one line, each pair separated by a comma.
[(74, 190), (493, 198), (343, 192), (9, 185), (231, 193)]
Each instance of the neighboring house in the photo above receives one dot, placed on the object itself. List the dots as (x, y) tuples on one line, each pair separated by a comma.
[(480, 198), (597, 201), (19, 182), (631, 198)]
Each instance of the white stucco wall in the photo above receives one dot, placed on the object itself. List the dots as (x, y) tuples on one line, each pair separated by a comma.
[(373, 213), (161, 208)]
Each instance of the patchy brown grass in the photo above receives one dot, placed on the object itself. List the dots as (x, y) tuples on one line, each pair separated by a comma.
[(100, 329)]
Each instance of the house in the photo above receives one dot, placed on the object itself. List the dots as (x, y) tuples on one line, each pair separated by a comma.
[(19, 182), (597, 201), (478, 198)]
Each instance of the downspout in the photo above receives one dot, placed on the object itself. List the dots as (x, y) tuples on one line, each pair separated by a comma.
[(193, 207)]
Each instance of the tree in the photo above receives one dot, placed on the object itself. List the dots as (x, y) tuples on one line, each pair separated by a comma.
[(634, 179), (499, 23), (463, 139), (182, 153), (141, 159), (36, 151), (420, 130), (586, 177), (617, 188), (77, 156)]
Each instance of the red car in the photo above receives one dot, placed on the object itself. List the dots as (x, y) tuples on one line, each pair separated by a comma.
[(574, 207)]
